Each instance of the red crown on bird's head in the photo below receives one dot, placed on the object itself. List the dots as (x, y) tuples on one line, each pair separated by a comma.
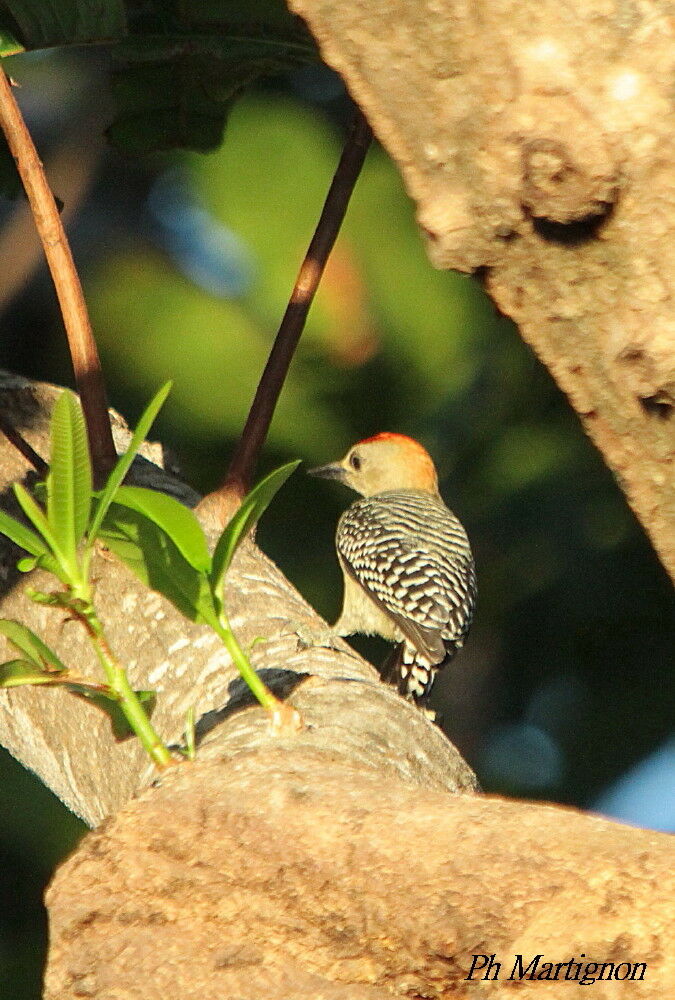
[(412, 453)]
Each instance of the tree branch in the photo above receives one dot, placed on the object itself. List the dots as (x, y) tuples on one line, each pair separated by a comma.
[(221, 503), (70, 744), (83, 351), (287, 872), (535, 157), (388, 874)]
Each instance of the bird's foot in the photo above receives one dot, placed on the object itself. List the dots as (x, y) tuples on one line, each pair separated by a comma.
[(309, 634)]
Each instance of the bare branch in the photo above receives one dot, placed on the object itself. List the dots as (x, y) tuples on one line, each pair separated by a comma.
[(22, 446), (83, 351), (222, 502)]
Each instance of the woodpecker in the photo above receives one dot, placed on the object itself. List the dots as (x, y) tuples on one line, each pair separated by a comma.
[(409, 573)]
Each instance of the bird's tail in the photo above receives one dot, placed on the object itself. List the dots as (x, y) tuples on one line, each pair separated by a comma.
[(413, 674)]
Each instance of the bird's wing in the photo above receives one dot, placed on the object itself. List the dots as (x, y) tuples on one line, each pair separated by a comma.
[(413, 559), (408, 584)]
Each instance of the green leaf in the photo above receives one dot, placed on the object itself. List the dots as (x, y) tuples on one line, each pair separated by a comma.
[(124, 462), (39, 597), (21, 535), (16, 673), (176, 90), (109, 703), (27, 564), (19, 673), (157, 562), (37, 516), (69, 482), (32, 647), (176, 520), (253, 506), (42, 23), (53, 600), (46, 562), (8, 43)]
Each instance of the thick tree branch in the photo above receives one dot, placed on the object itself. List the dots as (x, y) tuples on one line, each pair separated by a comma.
[(283, 872), (539, 156), (69, 744), (338, 864), (348, 861)]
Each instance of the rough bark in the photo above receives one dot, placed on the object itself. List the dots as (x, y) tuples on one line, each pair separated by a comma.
[(350, 860), (279, 873), (538, 142), (69, 743)]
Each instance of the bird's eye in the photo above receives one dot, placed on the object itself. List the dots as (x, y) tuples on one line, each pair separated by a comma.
[(355, 462)]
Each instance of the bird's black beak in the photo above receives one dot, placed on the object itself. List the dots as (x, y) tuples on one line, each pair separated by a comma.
[(332, 471)]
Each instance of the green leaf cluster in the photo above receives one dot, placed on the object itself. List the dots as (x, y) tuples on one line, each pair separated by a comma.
[(177, 67), (54, 545), (38, 664), (163, 543), (62, 543), (157, 537), (37, 24)]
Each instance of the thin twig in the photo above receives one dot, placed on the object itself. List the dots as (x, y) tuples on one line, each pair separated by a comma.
[(71, 170), (23, 447), (222, 502), (86, 363)]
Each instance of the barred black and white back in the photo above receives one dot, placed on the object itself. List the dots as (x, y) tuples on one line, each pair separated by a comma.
[(411, 556)]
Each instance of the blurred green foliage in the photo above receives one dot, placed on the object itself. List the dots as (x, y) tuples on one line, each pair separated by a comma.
[(379, 300)]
